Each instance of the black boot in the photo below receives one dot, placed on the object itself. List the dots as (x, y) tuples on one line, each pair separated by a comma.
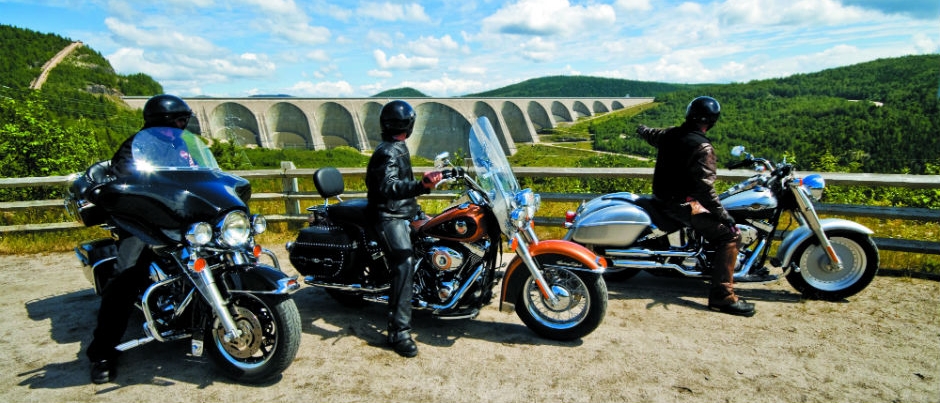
[(721, 295), (403, 344), (739, 308), (103, 371)]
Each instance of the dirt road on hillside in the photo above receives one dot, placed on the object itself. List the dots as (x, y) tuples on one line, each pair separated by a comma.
[(658, 343)]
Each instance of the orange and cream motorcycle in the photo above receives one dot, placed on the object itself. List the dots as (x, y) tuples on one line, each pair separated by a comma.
[(556, 287)]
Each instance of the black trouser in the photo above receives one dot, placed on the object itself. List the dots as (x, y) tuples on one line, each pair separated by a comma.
[(717, 232), (118, 297), (396, 234)]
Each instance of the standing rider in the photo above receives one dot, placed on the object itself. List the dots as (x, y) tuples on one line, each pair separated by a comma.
[(392, 192), (684, 180), (132, 269)]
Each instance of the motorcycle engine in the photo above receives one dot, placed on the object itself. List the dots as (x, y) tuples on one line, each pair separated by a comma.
[(748, 234), (447, 267)]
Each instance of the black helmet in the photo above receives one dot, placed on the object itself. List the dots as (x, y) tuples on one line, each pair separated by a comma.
[(703, 110), (397, 117), (164, 110)]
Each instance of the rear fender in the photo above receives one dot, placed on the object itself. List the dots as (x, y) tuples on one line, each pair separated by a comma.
[(570, 254)]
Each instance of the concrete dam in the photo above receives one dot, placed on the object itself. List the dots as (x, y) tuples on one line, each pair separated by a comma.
[(443, 123)]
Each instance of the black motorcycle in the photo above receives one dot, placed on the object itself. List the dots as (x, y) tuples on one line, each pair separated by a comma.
[(208, 282)]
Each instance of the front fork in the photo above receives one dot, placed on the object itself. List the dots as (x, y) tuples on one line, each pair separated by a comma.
[(202, 277), (521, 248), (809, 218)]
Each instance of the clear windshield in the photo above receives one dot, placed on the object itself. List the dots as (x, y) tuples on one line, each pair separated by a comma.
[(492, 169), (159, 148)]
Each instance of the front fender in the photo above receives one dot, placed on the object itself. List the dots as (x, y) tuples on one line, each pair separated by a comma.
[(259, 279), (517, 272), (802, 234)]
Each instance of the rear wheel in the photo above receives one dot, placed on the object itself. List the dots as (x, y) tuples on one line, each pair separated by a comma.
[(269, 339), (581, 301), (817, 280)]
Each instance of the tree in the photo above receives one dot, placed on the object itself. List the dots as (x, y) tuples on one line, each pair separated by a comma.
[(32, 143)]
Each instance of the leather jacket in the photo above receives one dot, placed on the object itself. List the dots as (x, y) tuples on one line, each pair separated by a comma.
[(391, 183), (686, 167)]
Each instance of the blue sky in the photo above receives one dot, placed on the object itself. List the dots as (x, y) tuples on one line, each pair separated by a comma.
[(449, 48)]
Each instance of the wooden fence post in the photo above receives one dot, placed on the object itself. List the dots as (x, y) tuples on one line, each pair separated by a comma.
[(292, 206)]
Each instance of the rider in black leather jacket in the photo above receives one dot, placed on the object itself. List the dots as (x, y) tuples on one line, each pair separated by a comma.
[(392, 190), (132, 270), (684, 180)]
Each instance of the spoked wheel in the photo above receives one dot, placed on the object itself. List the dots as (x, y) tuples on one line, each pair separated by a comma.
[(580, 306), (269, 339), (817, 279)]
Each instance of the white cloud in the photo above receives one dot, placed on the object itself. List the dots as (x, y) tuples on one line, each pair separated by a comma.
[(445, 86), (159, 38), (548, 17), (379, 73), (402, 62), (321, 89), (791, 12), (388, 11), (431, 46), (633, 5)]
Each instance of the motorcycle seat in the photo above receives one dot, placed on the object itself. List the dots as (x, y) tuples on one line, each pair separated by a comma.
[(349, 211), (657, 212)]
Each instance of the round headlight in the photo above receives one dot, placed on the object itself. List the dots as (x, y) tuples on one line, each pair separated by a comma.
[(258, 224), (235, 229), (199, 234)]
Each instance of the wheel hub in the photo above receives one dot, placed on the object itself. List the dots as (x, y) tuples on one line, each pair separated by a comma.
[(248, 342)]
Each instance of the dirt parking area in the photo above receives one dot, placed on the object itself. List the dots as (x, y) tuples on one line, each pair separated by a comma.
[(658, 343)]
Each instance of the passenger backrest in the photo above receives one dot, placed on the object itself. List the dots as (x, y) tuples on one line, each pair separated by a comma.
[(329, 182)]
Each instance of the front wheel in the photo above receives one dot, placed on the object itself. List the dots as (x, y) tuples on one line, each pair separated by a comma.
[(270, 337), (580, 308), (817, 280)]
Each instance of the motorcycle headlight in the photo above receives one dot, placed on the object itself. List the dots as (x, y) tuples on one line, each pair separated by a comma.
[(258, 224), (528, 200), (815, 184), (199, 234), (235, 229), (519, 217)]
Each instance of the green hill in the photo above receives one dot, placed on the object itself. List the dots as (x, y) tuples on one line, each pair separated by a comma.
[(406, 92), (881, 116), (582, 86)]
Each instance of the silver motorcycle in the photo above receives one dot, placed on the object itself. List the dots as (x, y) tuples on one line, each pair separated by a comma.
[(828, 259)]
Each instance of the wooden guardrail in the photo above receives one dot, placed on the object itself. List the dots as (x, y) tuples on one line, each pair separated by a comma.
[(292, 197)]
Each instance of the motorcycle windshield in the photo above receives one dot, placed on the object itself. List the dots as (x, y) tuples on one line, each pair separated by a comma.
[(494, 175), (166, 148)]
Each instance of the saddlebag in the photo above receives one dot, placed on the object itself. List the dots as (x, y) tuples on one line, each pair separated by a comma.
[(99, 258), (324, 252)]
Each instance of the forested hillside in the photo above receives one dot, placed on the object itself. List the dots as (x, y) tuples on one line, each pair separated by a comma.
[(76, 118), (582, 86), (880, 116), (406, 92)]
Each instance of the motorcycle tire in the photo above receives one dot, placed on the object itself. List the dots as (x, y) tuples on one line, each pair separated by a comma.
[(581, 309), (859, 257), (271, 331)]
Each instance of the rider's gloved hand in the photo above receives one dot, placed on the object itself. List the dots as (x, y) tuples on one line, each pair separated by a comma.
[(431, 179)]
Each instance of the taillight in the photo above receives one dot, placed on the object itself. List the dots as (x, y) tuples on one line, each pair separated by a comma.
[(569, 217)]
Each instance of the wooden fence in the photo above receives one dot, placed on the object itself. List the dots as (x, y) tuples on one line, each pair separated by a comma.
[(292, 197)]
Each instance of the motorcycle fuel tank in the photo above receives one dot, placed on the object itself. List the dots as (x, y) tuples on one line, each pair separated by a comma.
[(758, 202), (609, 220)]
